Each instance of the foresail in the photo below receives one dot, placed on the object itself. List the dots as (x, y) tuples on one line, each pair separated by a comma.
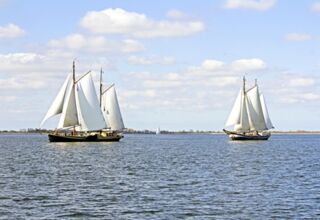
[(234, 117), (89, 113), (69, 116), (255, 112), (265, 112), (57, 105), (111, 110)]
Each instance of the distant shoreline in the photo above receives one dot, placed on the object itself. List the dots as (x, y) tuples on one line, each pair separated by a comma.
[(131, 131)]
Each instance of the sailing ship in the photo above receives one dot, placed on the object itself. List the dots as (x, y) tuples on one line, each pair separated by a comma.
[(81, 117), (249, 116), (158, 131)]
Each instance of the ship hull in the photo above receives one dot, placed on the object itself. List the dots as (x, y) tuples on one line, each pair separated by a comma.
[(86, 138), (235, 136)]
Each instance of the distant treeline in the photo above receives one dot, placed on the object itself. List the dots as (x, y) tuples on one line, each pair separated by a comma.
[(133, 131)]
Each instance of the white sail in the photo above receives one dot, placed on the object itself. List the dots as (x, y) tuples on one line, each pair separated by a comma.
[(244, 118), (89, 113), (255, 112), (265, 112), (111, 110), (69, 116), (234, 117), (57, 105)]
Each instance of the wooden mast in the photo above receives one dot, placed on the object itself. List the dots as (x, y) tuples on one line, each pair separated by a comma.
[(74, 84), (244, 84), (100, 86), (74, 72)]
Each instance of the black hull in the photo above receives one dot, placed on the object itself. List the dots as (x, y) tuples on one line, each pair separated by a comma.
[(88, 138), (246, 137)]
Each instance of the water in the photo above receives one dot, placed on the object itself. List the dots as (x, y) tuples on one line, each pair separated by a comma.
[(160, 177)]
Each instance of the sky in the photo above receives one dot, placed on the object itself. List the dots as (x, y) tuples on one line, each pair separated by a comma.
[(177, 65)]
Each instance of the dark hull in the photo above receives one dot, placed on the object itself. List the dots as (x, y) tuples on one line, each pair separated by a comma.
[(246, 137), (88, 138)]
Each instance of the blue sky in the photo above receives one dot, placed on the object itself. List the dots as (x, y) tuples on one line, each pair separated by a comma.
[(176, 64)]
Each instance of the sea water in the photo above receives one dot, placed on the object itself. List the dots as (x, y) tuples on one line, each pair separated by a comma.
[(160, 177)]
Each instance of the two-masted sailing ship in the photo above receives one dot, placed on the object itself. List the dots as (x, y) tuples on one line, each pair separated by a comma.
[(249, 116), (83, 118)]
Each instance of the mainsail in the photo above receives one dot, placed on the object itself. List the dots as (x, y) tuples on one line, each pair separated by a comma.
[(256, 117), (90, 115), (249, 112), (111, 109), (78, 105), (69, 116)]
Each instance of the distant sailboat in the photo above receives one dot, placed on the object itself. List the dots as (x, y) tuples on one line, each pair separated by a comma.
[(249, 116), (81, 118), (158, 131), (110, 107)]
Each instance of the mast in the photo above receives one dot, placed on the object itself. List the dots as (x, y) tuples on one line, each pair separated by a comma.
[(74, 72), (244, 84), (74, 82), (100, 86)]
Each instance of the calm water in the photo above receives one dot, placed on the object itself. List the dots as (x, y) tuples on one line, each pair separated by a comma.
[(160, 177)]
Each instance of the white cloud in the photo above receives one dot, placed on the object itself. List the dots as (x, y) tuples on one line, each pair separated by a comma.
[(301, 82), (205, 86), (131, 46), (119, 21), (96, 44), (7, 98), (21, 83), (295, 88), (248, 65), (136, 60), (260, 5), (212, 65), (315, 7), (19, 58), (297, 37), (301, 97), (176, 14), (11, 31)]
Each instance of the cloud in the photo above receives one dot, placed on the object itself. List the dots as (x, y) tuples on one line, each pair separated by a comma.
[(201, 87), (7, 98), (315, 7), (248, 65), (297, 37), (95, 44), (295, 88), (301, 82), (131, 46), (119, 21), (260, 5), (301, 97), (212, 65), (19, 58), (176, 14), (11, 31), (21, 83), (151, 60)]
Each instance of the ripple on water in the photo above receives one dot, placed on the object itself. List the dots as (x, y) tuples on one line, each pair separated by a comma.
[(160, 177)]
